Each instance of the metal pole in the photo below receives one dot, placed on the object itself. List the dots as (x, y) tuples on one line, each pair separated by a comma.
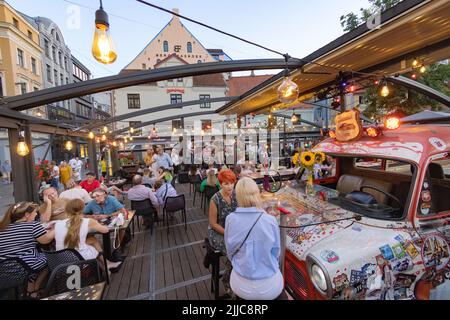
[(283, 235)]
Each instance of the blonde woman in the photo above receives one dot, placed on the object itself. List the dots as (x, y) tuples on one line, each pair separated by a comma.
[(72, 233), (252, 239)]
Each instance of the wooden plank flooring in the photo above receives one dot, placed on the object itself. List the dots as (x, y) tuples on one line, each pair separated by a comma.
[(166, 265)]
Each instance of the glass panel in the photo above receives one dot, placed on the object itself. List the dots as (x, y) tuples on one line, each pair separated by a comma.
[(6, 188)]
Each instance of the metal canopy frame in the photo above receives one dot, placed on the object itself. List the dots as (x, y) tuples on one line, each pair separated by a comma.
[(69, 91)]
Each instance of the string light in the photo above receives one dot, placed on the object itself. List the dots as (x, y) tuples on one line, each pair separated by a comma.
[(91, 135), (102, 45), (131, 130), (22, 147), (103, 138), (105, 129), (423, 69), (69, 145)]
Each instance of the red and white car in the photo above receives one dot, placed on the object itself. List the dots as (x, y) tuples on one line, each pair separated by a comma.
[(392, 237)]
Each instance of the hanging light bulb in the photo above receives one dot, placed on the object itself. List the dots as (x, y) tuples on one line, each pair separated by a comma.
[(39, 113), (91, 135), (22, 148), (125, 139), (131, 138), (294, 118), (414, 76), (174, 130), (288, 91), (102, 46), (97, 140), (131, 130), (423, 69), (121, 145), (103, 138), (105, 129), (385, 90), (114, 144), (69, 145), (415, 63)]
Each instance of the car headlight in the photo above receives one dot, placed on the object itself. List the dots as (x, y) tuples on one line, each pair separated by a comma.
[(318, 278)]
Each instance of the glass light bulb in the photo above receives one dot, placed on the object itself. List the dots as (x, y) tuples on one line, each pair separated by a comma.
[(415, 63), (125, 139), (105, 129), (91, 135), (294, 118), (103, 138), (131, 138), (288, 91), (102, 46), (423, 69), (22, 149), (114, 144), (131, 130), (97, 140), (69, 145), (385, 91)]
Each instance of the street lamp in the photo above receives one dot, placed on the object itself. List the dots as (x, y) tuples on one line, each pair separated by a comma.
[(102, 46)]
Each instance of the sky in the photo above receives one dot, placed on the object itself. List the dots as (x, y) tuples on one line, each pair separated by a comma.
[(297, 27)]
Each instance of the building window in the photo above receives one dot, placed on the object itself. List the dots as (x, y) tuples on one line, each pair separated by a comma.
[(1, 86), (199, 61), (35, 88), (33, 66), (60, 58), (47, 48), (61, 78), (55, 76), (16, 23), (49, 73), (23, 88), (20, 58), (158, 61), (189, 47), (205, 104), (67, 80), (144, 66), (177, 124), (135, 124), (166, 46), (57, 37), (30, 34), (134, 101), (65, 64), (176, 98), (54, 54)]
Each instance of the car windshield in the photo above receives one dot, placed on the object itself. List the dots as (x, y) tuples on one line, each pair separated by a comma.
[(374, 187)]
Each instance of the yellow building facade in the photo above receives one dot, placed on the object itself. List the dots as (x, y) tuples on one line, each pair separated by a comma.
[(20, 53)]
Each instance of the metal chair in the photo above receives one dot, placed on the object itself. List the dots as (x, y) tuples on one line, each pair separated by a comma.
[(208, 194), (173, 181), (194, 182), (212, 259), (145, 209), (172, 205), (14, 275), (61, 263)]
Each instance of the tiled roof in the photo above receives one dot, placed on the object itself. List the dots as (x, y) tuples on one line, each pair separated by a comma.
[(239, 85), (209, 80)]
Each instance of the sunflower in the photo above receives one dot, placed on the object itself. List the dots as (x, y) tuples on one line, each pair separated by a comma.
[(320, 157), (295, 158), (307, 158)]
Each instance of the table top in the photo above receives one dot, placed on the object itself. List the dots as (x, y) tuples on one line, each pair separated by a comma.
[(124, 226), (302, 210), (93, 292), (260, 175)]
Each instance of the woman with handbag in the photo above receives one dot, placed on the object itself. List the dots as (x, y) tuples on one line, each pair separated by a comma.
[(252, 238)]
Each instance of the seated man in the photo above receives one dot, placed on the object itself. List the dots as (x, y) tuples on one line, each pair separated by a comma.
[(90, 184), (53, 207), (164, 190), (75, 191), (139, 192), (103, 205)]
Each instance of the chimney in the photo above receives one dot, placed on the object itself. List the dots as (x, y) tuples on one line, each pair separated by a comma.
[(177, 11), (252, 74)]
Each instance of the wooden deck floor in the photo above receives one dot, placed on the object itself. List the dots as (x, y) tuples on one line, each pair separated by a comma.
[(166, 266)]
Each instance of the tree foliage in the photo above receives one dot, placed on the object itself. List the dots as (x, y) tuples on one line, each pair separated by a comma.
[(352, 20), (404, 100)]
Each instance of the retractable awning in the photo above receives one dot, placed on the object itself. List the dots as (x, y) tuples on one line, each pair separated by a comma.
[(408, 30)]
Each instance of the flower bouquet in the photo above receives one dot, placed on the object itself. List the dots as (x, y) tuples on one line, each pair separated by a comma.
[(308, 160), (42, 171)]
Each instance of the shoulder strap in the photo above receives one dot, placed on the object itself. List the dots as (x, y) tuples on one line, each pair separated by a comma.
[(246, 237)]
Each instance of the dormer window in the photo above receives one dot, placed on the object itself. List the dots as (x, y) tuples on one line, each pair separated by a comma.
[(189, 47)]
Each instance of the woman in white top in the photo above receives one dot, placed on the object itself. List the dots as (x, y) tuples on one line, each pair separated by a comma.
[(75, 192), (72, 233)]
